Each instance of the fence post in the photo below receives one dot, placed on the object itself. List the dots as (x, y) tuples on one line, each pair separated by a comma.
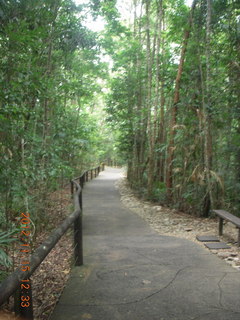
[(220, 227), (81, 182), (72, 188), (78, 236), (78, 240), (80, 200)]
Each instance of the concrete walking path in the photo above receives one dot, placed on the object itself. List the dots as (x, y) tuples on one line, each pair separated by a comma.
[(132, 273)]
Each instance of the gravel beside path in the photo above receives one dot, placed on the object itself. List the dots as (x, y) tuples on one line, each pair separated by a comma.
[(171, 222)]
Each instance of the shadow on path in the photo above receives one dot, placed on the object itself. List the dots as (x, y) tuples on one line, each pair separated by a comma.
[(132, 273)]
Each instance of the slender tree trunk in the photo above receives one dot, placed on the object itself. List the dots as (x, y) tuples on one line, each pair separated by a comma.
[(49, 72), (160, 86), (150, 126), (173, 122), (138, 128), (208, 200)]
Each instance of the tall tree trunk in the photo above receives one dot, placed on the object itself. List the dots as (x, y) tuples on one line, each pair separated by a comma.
[(160, 87), (150, 125), (157, 88), (234, 75), (49, 74), (208, 200), (173, 121), (139, 129)]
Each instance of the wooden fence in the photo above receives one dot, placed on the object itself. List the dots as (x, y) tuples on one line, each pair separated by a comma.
[(19, 280)]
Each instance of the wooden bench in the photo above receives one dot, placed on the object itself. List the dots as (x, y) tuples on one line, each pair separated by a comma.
[(224, 215)]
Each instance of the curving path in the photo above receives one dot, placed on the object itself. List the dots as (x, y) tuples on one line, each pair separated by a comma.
[(132, 273)]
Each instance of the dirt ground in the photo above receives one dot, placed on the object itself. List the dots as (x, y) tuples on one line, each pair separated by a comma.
[(49, 280)]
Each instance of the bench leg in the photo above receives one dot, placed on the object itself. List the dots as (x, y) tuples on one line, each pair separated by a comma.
[(220, 230), (239, 237)]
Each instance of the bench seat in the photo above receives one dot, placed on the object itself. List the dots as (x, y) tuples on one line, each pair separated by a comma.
[(224, 215)]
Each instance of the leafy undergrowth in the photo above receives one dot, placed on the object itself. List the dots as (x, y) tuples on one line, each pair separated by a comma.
[(49, 280)]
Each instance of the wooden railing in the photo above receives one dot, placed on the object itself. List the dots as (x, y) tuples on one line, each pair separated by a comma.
[(78, 250), (12, 284)]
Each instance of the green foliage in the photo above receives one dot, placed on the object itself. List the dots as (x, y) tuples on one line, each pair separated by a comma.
[(209, 95), (159, 192), (49, 77), (6, 238)]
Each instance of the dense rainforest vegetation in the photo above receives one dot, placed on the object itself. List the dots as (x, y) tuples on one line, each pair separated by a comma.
[(175, 98), (50, 106), (165, 101)]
